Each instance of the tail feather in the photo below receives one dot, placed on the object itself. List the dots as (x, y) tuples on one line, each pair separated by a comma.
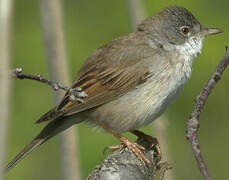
[(51, 129), (27, 150)]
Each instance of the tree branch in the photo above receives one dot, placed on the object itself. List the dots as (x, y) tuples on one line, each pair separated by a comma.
[(123, 164), (76, 93), (17, 73), (193, 121)]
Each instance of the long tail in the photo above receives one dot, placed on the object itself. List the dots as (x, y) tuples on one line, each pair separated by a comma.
[(51, 129), (27, 150)]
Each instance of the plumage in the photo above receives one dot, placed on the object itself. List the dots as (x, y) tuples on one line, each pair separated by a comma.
[(130, 81)]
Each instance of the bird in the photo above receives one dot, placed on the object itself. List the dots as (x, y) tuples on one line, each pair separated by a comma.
[(130, 81)]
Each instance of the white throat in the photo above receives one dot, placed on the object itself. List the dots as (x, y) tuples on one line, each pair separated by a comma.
[(189, 51), (191, 48)]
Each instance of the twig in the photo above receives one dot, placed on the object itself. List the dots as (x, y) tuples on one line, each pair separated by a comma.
[(6, 9), (193, 121), (123, 164), (17, 73), (76, 94)]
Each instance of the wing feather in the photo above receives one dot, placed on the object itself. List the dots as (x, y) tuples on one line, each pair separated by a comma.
[(103, 88), (110, 72)]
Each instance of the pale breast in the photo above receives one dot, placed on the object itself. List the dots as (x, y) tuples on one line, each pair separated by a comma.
[(145, 103), (142, 105)]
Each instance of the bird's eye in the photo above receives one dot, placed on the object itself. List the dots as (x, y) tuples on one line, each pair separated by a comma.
[(185, 30)]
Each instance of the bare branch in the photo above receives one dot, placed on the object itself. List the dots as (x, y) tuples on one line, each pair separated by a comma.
[(76, 94), (193, 121), (17, 73), (123, 164)]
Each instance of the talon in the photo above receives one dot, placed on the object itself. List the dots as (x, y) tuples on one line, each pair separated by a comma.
[(136, 149), (115, 148), (156, 152), (156, 149), (140, 147), (133, 147)]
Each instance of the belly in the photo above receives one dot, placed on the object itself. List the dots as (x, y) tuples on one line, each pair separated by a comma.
[(136, 108)]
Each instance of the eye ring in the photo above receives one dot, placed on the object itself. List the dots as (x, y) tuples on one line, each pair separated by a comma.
[(185, 30)]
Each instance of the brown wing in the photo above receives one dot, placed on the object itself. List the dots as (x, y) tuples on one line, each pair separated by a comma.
[(109, 73), (102, 87)]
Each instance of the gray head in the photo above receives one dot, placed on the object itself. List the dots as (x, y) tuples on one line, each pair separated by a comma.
[(176, 25)]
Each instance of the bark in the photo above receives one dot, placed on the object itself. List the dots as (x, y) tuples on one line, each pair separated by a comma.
[(123, 164)]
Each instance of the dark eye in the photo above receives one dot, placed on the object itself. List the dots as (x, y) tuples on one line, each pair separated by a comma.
[(185, 30)]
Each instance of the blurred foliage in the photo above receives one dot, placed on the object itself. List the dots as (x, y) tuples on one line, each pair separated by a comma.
[(88, 25)]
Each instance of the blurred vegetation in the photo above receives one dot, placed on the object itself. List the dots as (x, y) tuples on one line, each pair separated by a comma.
[(88, 25)]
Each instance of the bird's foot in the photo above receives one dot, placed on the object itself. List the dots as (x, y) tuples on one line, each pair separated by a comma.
[(133, 147), (122, 146)]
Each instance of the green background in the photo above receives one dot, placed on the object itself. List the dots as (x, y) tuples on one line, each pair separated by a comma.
[(88, 25)]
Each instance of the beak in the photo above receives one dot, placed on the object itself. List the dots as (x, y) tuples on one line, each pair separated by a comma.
[(207, 32)]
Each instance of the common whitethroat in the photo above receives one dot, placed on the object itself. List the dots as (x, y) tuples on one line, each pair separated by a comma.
[(131, 80)]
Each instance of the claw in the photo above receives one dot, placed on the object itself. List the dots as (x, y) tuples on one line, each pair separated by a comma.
[(136, 149), (115, 148), (133, 147)]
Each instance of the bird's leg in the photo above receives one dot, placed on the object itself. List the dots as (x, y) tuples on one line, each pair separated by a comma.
[(134, 147), (151, 140)]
